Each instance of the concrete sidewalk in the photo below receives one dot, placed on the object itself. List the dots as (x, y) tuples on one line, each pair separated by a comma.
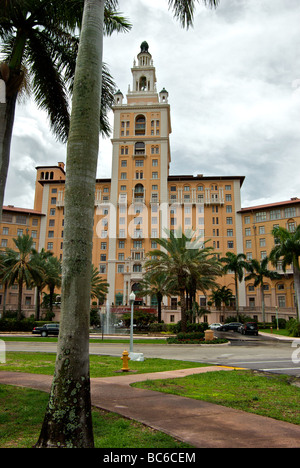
[(201, 424)]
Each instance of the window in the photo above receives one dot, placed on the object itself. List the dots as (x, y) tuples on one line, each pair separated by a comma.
[(248, 232), (5, 231), (123, 175), (51, 222), (154, 162), (154, 175), (139, 148), (291, 226), (263, 254), (52, 213), (261, 230), (123, 188), (139, 163), (261, 216), (230, 244), (137, 244), (281, 301), (103, 245), (249, 255), (186, 188), (121, 244), (4, 243), (228, 209), (54, 190), (153, 245), (34, 234), (280, 287), (230, 232), (262, 242), (228, 220), (50, 233), (228, 197), (102, 269), (140, 121), (123, 163), (137, 268), (248, 244), (121, 256), (53, 200), (290, 212), (247, 220), (120, 268), (21, 219), (275, 214), (50, 245), (227, 187)]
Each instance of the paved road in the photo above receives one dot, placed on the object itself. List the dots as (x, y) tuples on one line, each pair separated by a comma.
[(260, 353)]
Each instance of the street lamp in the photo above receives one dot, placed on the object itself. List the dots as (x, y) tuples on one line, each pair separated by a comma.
[(131, 299)]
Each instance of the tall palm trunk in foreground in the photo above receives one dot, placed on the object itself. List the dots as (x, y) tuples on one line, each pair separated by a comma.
[(68, 420)]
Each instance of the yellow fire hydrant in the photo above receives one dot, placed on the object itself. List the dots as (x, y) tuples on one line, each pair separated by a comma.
[(125, 357)]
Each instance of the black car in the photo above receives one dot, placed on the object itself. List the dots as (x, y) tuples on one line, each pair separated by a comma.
[(250, 328), (234, 326), (47, 329)]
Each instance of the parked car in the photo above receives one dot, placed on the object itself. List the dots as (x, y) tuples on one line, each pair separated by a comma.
[(215, 326), (47, 329), (234, 326), (250, 328)]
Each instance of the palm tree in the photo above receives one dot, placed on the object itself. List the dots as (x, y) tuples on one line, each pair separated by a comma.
[(236, 264), (52, 277), (39, 259), (180, 259), (72, 370), (158, 285), (39, 41), (258, 272), (222, 295), (287, 251), (99, 287), (19, 267)]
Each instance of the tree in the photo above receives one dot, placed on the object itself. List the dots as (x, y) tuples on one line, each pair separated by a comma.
[(39, 259), (236, 264), (180, 259), (222, 295), (39, 42), (287, 251), (19, 266), (99, 287), (67, 424), (156, 285), (258, 272)]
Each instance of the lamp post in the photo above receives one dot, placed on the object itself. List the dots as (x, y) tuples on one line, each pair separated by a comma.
[(132, 299)]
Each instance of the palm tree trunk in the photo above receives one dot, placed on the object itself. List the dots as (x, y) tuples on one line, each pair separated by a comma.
[(20, 292), (236, 298), (7, 116), (297, 288), (68, 419), (183, 310), (263, 304)]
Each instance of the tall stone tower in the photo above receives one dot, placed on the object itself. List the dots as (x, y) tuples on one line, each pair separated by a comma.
[(140, 168)]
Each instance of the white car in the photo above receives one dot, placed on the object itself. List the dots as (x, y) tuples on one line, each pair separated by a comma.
[(214, 326)]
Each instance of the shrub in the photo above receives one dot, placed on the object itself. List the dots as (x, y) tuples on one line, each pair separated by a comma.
[(293, 327)]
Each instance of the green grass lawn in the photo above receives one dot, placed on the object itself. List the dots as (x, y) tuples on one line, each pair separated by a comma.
[(100, 366), (270, 395), (22, 412)]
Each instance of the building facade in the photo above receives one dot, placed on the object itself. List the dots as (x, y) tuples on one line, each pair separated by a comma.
[(142, 200)]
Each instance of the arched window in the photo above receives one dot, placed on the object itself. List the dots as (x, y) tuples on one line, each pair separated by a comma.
[(139, 148), (140, 125)]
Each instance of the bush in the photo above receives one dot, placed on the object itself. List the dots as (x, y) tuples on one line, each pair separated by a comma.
[(15, 325), (281, 323), (293, 327)]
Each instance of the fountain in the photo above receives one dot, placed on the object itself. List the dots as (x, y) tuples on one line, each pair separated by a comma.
[(108, 326)]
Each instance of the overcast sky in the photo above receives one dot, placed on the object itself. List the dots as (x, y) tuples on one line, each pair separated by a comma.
[(234, 90)]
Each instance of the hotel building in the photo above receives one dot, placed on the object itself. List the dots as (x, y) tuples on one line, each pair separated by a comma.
[(142, 199)]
